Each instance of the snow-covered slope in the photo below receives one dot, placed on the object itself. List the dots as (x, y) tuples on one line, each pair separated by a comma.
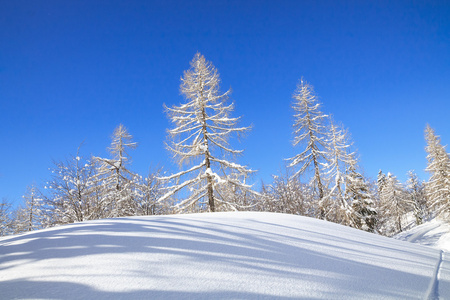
[(217, 256), (435, 233)]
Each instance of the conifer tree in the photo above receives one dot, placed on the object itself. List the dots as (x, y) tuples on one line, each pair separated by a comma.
[(438, 186), (200, 139), (310, 130)]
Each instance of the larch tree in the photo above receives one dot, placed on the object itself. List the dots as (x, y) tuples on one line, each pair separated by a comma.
[(310, 130), (200, 139), (337, 209), (438, 186), (118, 182)]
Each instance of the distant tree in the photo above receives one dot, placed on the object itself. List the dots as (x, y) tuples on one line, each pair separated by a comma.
[(337, 209), (117, 181), (393, 204), (381, 182), (417, 198), (238, 198), (149, 190), (438, 186), (357, 192), (32, 215), (71, 190), (5, 217), (202, 127), (287, 194), (310, 129)]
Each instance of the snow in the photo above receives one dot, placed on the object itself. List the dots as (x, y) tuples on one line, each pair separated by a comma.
[(239, 255), (435, 233)]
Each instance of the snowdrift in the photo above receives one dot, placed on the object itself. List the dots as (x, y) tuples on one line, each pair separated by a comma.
[(217, 256)]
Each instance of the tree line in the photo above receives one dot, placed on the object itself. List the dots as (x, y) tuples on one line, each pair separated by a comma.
[(324, 180)]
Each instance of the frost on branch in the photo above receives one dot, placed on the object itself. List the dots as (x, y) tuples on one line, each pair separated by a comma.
[(199, 138)]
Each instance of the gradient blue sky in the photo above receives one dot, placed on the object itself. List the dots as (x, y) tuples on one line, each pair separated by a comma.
[(71, 71)]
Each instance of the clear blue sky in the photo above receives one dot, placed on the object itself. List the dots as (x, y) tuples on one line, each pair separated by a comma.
[(71, 71)]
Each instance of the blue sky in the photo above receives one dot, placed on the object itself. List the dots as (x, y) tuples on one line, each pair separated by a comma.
[(71, 71)]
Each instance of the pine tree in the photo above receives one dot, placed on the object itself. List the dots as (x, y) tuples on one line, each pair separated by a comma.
[(202, 127), (309, 129), (438, 186), (118, 182)]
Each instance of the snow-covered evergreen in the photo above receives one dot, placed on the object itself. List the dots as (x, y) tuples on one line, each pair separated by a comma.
[(199, 139)]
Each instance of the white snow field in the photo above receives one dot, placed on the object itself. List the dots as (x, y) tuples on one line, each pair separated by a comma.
[(238, 255)]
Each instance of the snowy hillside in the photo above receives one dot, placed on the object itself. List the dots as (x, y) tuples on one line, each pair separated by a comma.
[(217, 256), (435, 234)]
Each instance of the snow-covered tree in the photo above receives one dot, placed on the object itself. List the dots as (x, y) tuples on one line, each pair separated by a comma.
[(200, 139), (149, 190), (438, 186), (118, 182), (71, 190), (417, 199), (336, 207), (238, 198), (310, 130), (287, 194), (5, 217), (32, 215), (357, 192), (393, 205)]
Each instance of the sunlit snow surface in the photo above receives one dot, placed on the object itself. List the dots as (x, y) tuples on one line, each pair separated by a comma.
[(217, 256)]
